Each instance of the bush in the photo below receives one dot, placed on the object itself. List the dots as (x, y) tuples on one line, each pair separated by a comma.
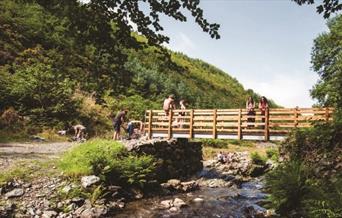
[(215, 143), (289, 185), (296, 193), (258, 159), (325, 200), (272, 154), (109, 160)]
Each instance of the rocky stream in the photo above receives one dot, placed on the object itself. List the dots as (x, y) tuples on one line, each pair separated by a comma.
[(230, 189)]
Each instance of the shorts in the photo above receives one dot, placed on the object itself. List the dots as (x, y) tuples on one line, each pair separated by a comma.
[(117, 126)]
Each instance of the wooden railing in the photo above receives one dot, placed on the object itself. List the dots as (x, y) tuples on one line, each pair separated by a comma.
[(274, 124)]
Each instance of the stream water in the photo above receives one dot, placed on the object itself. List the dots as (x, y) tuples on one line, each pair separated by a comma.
[(217, 202)]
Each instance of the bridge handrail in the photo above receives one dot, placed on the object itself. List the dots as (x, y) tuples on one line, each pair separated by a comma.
[(275, 121)]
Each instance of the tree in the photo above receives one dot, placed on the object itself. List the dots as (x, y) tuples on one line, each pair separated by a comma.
[(125, 13), (327, 62), (327, 8)]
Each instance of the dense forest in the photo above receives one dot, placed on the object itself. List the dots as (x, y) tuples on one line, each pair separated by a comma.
[(63, 63)]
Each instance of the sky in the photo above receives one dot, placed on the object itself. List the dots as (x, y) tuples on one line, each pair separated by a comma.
[(265, 44)]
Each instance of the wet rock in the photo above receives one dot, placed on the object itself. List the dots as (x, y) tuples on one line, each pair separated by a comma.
[(198, 200), (189, 186), (177, 202), (174, 182), (88, 181), (15, 193), (166, 204), (214, 183), (174, 209), (255, 211), (177, 185)]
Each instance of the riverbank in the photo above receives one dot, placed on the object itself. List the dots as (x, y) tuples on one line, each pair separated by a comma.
[(45, 192)]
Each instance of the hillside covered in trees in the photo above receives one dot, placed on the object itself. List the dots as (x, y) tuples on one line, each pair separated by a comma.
[(62, 63)]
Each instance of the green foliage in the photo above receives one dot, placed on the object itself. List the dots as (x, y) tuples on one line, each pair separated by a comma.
[(326, 7), (322, 138), (327, 62), (325, 200), (215, 143), (296, 193), (53, 59), (272, 154), (289, 184), (109, 160), (258, 159)]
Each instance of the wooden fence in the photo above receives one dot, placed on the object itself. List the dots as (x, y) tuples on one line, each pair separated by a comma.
[(274, 124)]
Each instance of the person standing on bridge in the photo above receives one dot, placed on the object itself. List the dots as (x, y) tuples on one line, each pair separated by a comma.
[(250, 105), (169, 103), (263, 106)]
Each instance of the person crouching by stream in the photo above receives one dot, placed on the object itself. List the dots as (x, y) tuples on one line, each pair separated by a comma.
[(79, 130), (118, 120)]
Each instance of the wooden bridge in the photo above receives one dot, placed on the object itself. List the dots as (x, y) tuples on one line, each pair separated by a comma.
[(274, 124)]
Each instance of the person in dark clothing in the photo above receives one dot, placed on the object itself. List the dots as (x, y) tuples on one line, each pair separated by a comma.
[(263, 106), (117, 122)]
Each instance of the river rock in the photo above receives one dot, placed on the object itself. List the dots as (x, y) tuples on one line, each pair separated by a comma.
[(15, 193), (176, 158), (177, 202), (177, 185), (214, 183), (174, 209), (94, 212), (189, 186), (198, 200), (49, 214), (166, 204), (88, 181)]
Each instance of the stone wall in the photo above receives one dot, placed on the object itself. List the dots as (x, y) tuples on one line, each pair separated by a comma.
[(176, 158)]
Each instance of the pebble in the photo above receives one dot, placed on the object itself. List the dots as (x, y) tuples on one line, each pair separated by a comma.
[(88, 181), (198, 200), (15, 193)]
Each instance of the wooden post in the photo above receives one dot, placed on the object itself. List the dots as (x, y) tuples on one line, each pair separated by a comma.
[(214, 123), (150, 124), (191, 133), (327, 114), (296, 116), (239, 125), (169, 132), (267, 136)]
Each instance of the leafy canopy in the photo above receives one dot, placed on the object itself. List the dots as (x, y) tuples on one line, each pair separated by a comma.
[(327, 7), (327, 62)]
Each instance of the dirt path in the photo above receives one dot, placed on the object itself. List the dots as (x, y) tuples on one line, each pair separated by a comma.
[(11, 153)]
